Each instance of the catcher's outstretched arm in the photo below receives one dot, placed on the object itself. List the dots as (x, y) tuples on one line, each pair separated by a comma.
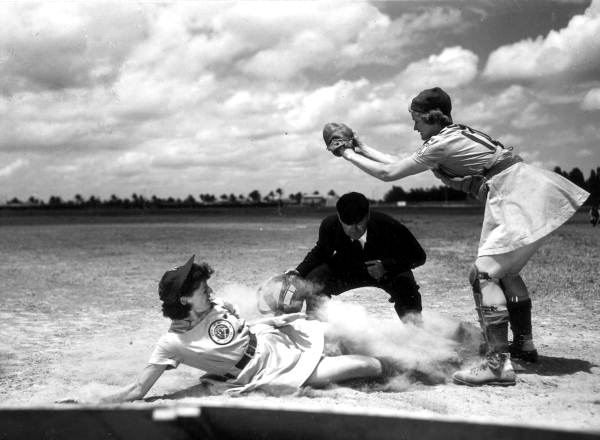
[(385, 171), (373, 154)]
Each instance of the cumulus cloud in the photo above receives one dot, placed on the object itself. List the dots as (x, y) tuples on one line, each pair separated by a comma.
[(453, 67), (226, 96), (591, 100), (62, 45), (13, 167), (336, 37), (574, 49), (503, 105)]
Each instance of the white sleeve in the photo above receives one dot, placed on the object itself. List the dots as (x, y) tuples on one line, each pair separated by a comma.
[(430, 154), (162, 355)]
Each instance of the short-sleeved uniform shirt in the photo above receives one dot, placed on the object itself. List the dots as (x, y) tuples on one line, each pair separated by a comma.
[(284, 357), (214, 345), (460, 151)]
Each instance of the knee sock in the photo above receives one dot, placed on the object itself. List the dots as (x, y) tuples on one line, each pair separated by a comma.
[(520, 318)]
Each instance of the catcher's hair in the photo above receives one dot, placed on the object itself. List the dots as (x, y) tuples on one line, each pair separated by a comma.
[(435, 117), (198, 273)]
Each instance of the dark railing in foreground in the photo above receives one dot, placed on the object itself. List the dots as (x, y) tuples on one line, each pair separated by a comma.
[(214, 421)]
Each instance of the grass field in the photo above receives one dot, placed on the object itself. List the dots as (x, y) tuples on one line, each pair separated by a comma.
[(80, 313)]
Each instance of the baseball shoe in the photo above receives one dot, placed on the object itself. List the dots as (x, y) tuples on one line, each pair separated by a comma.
[(495, 369), (521, 348)]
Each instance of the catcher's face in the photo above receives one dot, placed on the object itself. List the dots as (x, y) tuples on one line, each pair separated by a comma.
[(425, 129), (355, 230)]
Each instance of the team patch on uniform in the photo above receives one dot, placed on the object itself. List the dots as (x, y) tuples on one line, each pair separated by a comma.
[(221, 332)]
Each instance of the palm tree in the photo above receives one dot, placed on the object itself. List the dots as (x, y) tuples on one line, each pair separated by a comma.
[(55, 201), (254, 195), (33, 200), (115, 201)]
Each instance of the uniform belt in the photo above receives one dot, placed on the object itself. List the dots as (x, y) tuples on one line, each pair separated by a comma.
[(246, 357), (501, 166)]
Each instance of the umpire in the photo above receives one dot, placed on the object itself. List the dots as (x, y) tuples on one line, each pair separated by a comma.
[(358, 248)]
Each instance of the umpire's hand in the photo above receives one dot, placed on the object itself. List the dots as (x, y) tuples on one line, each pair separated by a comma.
[(375, 269)]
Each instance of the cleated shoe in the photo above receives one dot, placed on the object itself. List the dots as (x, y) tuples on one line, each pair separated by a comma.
[(523, 349), (495, 369)]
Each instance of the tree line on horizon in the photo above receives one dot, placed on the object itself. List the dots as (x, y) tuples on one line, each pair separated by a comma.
[(254, 197), (440, 193)]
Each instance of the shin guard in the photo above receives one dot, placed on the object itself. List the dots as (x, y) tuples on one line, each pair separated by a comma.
[(490, 304)]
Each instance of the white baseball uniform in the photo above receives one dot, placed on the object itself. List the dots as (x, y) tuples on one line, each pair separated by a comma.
[(524, 203), (284, 357)]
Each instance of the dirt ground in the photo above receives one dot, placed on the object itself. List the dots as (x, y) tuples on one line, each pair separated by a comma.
[(79, 316)]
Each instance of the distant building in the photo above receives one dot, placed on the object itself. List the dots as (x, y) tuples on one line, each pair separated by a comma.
[(318, 201), (313, 200), (331, 201)]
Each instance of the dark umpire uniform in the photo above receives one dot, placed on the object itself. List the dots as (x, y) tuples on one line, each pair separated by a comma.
[(337, 262)]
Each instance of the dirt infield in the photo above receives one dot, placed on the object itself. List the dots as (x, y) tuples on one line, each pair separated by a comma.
[(80, 316)]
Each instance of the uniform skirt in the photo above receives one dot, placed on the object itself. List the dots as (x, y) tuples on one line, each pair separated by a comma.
[(285, 357), (524, 204)]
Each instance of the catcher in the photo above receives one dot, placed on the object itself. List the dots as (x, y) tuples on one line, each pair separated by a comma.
[(523, 205)]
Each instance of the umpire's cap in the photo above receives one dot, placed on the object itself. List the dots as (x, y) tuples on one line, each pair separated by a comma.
[(352, 207), (432, 99), (169, 287)]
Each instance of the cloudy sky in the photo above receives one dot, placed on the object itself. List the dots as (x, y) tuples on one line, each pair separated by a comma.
[(186, 98)]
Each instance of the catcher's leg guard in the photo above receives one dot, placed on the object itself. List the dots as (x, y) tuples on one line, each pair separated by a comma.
[(490, 304)]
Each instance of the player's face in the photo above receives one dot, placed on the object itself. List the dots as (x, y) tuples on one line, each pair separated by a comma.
[(201, 299), (425, 130), (355, 230)]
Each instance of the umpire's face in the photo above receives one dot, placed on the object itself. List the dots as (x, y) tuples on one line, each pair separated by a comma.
[(355, 230)]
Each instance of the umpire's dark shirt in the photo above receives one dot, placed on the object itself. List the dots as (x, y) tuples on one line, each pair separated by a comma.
[(388, 240)]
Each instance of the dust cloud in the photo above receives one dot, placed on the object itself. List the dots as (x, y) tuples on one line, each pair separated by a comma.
[(424, 349)]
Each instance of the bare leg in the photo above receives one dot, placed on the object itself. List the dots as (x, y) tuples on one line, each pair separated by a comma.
[(340, 368), (497, 266)]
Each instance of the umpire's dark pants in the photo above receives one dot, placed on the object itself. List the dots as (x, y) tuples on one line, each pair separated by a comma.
[(332, 280)]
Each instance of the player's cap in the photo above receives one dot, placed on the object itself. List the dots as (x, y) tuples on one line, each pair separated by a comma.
[(352, 207), (432, 99), (332, 129), (169, 287)]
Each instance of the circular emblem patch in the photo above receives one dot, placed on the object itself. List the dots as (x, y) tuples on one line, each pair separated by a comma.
[(221, 332)]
